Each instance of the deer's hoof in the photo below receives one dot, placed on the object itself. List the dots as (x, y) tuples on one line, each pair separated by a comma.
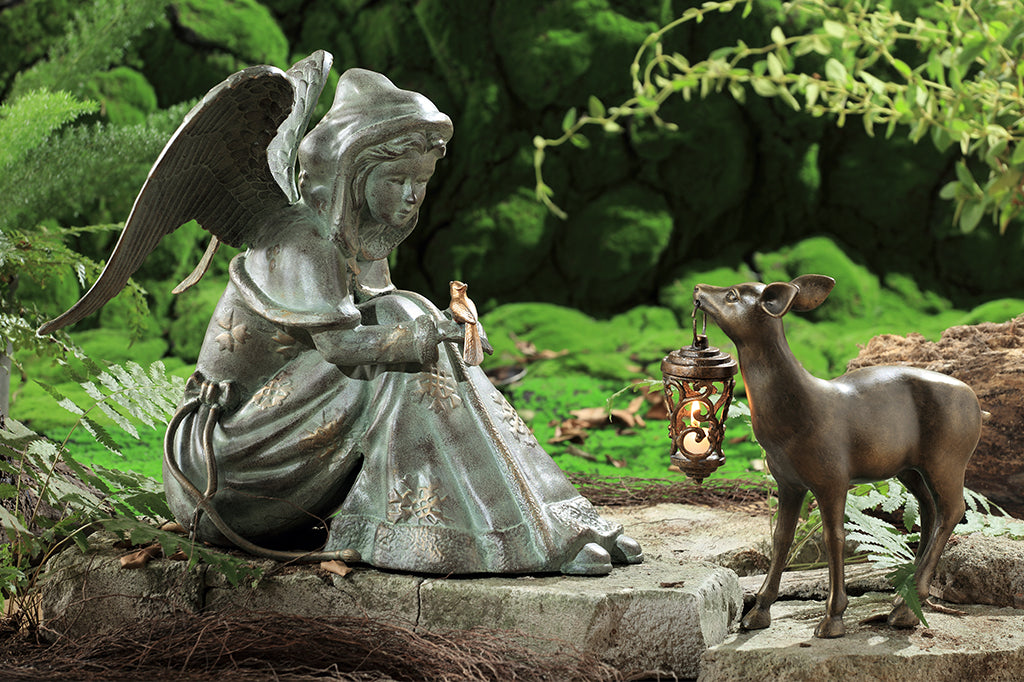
[(903, 617), (831, 626), (756, 619)]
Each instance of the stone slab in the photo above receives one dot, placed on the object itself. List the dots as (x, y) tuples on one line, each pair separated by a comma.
[(656, 616), (88, 593), (985, 643)]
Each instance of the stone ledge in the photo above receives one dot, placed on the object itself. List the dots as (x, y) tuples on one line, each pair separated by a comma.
[(628, 619), (986, 643)]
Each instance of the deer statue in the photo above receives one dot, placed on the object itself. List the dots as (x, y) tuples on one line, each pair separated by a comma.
[(868, 425)]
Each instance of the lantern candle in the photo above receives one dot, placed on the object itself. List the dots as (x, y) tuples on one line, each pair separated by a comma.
[(696, 442)]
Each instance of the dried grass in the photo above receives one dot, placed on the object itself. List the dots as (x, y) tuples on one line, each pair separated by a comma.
[(273, 646), (732, 495)]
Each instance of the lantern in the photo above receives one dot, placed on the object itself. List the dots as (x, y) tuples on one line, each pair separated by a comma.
[(699, 380)]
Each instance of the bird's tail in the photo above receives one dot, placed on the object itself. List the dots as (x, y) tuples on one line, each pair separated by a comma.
[(472, 348)]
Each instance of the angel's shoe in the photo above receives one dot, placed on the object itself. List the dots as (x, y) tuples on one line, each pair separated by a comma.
[(593, 559), (627, 551)]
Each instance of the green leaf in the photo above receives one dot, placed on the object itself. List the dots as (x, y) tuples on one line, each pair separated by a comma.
[(971, 215), (775, 68), (787, 97), (963, 174), (1017, 159), (903, 68), (764, 87), (738, 92), (811, 92), (570, 119), (778, 37), (27, 122), (949, 190), (834, 29), (836, 72), (877, 85)]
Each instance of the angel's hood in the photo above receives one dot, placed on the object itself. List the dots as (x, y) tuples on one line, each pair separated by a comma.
[(368, 109)]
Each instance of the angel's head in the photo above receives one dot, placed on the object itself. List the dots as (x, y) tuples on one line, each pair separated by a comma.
[(366, 165)]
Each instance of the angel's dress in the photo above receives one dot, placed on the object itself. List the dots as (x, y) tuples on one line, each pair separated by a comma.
[(420, 466)]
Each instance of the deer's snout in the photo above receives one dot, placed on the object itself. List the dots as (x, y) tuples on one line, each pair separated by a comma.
[(704, 298)]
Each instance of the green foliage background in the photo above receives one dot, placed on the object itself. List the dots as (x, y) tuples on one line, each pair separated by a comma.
[(739, 191)]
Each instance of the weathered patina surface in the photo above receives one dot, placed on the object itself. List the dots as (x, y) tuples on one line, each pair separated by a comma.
[(324, 398)]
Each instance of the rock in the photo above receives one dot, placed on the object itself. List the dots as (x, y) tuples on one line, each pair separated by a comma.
[(87, 593), (611, 248), (977, 569), (990, 359), (813, 584), (986, 643), (653, 616), (686, 533)]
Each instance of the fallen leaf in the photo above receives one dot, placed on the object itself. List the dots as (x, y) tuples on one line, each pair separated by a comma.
[(336, 567), (140, 558), (583, 454), (591, 416), (569, 430), (674, 583), (617, 463), (179, 556), (530, 353)]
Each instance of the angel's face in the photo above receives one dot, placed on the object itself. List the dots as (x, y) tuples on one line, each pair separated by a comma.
[(394, 193)]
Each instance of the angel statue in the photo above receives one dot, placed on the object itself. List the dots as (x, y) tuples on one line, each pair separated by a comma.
[(324, 397)]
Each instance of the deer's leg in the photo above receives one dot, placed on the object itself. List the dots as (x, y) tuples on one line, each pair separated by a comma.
[(915, 483), (949, 499), (832, 504), (790, 500)]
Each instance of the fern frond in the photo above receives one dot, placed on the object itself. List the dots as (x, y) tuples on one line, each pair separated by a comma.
[(902, 580), (27, 123), (97, 38)]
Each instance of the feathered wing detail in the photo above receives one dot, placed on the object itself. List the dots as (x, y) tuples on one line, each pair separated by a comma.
[(215, 169), (308, 78)]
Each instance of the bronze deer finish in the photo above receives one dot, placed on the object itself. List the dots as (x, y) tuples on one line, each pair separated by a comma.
[(868, 425)]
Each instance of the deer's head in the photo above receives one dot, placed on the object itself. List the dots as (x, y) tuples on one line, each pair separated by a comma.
[(746, 312)]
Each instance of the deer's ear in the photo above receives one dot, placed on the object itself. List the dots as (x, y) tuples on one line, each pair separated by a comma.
[(812, 291), (777, 298)]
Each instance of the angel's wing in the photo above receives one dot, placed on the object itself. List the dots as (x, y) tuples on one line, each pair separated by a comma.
[(216, 169), (308, 78)]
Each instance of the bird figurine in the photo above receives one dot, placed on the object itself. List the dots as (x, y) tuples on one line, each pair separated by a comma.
[(464, 311)]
